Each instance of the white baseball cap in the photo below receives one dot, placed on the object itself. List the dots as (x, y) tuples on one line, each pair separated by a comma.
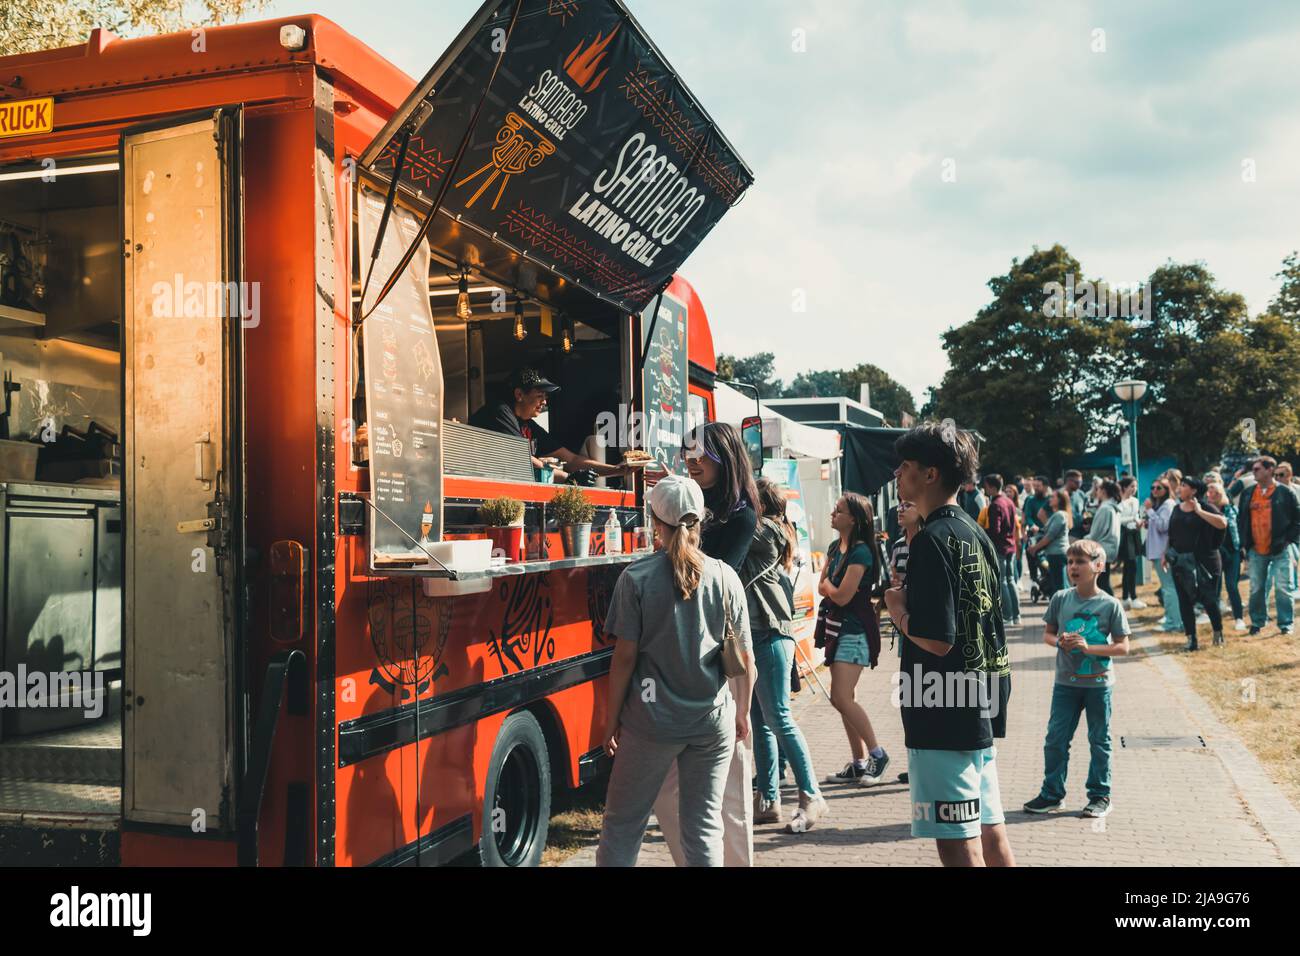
[(675, 500)]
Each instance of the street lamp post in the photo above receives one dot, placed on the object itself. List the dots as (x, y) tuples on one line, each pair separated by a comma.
[(1130, 393)]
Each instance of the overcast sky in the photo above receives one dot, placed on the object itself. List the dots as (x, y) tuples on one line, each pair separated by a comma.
[(1128, 157)]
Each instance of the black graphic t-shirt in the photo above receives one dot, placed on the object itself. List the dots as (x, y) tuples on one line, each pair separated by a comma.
[(957, 701)]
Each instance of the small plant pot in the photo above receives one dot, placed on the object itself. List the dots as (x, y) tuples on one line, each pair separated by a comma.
[(576, 539), (508, 542)]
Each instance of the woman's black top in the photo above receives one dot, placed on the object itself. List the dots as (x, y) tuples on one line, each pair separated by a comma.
[(1192, 534), (728, 540)]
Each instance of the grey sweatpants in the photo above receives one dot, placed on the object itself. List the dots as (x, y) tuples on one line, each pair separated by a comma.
[(639, 771)]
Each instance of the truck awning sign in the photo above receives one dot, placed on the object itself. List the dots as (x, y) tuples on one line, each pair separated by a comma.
[(590, 157), (24, 117)]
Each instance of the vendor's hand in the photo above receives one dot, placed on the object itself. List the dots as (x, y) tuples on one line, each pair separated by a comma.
[(896, 601), (612, 730)]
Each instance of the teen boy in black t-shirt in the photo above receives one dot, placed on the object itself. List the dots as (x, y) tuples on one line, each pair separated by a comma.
[(956, 675)]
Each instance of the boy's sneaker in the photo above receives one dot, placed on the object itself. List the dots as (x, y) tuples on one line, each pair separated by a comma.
[(875, 770), (849, 774), (1097, 807), (1255, 630), (1041, 804), (1137, 604), (1015, 622), (1202, 618), (1285, 629), (1240, 625)]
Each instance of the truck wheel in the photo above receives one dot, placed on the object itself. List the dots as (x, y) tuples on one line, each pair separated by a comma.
[(517, 795)]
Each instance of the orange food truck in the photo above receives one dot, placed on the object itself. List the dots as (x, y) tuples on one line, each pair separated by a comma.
[(254, 285)]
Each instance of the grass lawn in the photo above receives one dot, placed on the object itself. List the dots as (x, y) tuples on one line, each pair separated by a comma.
[(575, 825), (1252, 684)]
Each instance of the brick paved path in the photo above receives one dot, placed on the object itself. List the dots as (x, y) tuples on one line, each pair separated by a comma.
[(1188, 806)]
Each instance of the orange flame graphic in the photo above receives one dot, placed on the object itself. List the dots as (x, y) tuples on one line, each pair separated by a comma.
[(582, 65)]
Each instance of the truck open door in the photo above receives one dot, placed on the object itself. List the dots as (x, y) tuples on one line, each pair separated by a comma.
[(182, 495)]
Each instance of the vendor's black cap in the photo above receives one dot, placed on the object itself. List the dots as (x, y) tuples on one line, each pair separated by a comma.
[(529, 378)]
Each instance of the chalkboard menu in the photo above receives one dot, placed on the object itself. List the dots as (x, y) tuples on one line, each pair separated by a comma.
[(403, 383), (665, 382)]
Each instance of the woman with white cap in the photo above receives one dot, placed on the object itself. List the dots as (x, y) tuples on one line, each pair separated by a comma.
[(669, 700)]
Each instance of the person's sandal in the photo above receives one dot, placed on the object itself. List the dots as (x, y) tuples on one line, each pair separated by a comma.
[(812, 807)]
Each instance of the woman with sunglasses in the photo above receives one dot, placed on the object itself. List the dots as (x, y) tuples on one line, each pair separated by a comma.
[(1159, 507), (717, 461)]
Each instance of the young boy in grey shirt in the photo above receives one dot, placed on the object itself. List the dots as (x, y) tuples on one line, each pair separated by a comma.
[(1087, 627)]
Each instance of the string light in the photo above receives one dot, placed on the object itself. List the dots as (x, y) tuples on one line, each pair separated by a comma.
[(521, 333), (463, 311)]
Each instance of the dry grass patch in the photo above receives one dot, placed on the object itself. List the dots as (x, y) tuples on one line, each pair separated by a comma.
[(1252, 684)]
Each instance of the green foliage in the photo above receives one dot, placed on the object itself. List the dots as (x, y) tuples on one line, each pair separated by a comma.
[(888, 396), (30, 25), (1287, 303), (501, 512), (1037, 386), (570, 506), (756, 370)]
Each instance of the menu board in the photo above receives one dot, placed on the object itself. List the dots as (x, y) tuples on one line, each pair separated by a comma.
[(404, 386), (665, 382)]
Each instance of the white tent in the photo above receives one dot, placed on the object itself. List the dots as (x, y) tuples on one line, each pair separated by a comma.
[(789, 439)]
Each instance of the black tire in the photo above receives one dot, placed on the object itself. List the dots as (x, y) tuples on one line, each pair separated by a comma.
[(519, 786)]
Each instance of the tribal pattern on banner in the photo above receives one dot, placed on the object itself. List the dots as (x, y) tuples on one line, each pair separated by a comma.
[(590, 155)]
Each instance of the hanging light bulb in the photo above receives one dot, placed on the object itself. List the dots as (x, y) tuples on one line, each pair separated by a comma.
[(566, 336), (521, 333), (463, 311)]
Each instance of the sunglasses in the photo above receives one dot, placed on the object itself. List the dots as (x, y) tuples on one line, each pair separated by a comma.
[(697, 450)]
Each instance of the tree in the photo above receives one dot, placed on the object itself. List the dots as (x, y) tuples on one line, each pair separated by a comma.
[(1033, 376), (888, 396), (1287, 303), (30, 25), (757, 370), (1200, 357)]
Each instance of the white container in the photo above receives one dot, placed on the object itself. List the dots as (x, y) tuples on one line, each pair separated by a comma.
[(613, 534), (461, 555)]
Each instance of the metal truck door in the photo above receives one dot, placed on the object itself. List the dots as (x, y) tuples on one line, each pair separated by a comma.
[(181, 357)]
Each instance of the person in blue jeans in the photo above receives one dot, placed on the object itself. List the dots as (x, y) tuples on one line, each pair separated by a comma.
[(1087, 627), (1053, 542), (770, 558)]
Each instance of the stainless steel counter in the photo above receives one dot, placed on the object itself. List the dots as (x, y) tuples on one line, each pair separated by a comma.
[(440, 582)]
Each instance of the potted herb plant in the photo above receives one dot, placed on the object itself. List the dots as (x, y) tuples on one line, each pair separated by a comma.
[(573, 512), (504, 518)]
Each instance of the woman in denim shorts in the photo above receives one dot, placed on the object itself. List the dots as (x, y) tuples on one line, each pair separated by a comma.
[(848, 560)]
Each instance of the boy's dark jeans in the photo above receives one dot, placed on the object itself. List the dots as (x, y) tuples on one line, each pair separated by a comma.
[(1067, 704)]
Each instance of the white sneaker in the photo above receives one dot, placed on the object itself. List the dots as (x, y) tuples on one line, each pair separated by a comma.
[(1136, 604), (1241, 625), (1202, 618)]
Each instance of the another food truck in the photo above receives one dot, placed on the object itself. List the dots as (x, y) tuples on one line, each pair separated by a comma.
[(254, 283)]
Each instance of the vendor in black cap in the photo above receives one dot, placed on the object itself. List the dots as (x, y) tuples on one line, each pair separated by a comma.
[(516, 413)]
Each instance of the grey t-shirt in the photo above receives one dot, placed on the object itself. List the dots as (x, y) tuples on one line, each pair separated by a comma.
[(678, 690), (1101, 620)]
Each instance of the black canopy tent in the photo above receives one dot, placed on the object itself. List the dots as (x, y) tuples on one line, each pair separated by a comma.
[(869, 460)]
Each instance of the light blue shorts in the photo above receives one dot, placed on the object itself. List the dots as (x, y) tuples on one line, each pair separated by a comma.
[(852, 649), (954, 792)]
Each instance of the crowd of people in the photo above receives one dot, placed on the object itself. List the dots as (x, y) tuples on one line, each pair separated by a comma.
[(699, 718)]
